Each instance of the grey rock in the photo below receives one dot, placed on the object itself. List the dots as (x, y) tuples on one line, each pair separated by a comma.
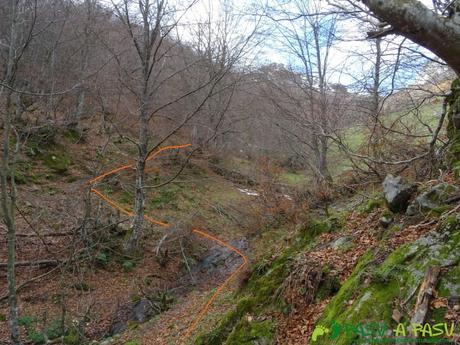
[(340, 242), (143, 310), (397, 193), (432, 198), (386, 221), (221, 259)]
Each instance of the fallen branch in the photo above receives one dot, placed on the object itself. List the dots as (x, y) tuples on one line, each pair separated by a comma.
[(425, 294), (41, 263), (453, 199), (21, 286), (57, 234)]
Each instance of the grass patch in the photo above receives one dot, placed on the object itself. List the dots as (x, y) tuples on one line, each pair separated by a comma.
[(57, 162), (293, 179)]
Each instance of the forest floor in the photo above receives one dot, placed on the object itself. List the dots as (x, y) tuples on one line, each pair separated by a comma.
[(90, 287), (96, 287)]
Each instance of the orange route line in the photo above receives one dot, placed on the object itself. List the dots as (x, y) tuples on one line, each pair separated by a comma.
[(198, 232)]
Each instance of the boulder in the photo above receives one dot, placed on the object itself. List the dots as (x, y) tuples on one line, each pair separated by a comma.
[(340, 242), (397, 193), (386, 221), (432, 198)]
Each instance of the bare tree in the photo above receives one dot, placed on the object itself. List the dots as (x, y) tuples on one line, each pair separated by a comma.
[(436, 29), (21, 25), (152, 36), (308, 36)]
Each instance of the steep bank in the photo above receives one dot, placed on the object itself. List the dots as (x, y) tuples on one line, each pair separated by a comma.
[(348, 271)]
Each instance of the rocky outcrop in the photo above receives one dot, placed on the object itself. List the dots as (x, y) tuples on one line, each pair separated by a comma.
[(432, 199), (397, 193)]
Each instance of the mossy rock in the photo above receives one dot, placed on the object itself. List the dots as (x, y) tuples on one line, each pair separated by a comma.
[(220, 333), (433, 199), (252, 333), (329, 286), (262, 291), (57, 162), (370, 205), (316, 227), (370, 292)]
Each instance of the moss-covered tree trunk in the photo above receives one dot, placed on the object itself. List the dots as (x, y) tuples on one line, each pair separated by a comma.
[(453, 127)]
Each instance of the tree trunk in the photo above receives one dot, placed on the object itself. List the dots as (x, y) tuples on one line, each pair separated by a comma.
[(81, 95), (144, 50), (8, 192), (138, 222), (376, 135), (322, 164), (453, 127), (8, 200), (411, 19)]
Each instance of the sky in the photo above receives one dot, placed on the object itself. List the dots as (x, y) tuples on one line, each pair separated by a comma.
[(346, 62)]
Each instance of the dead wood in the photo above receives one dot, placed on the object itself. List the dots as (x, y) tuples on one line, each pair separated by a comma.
[(426, 292)]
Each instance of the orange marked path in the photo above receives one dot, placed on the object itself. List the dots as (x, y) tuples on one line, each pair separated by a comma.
[(198, 232)]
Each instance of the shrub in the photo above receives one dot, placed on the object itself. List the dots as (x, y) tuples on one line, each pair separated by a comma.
[(128, 265)]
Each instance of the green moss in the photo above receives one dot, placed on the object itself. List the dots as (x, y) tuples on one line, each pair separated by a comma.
[(436, 315), (262, 292), (339, 303), (451, 223), (73, 135), (23, 173), (135, 298), (218, 335), (72, 339), (317, 227), (437, 211), (329, 286), (161, 301), (453, 126), (165, 196), (131, 342), (133, 324), (294, 179), (371, 205), (101, 259), (370, 292), (250, 333), (449, 284), (57, 162)]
